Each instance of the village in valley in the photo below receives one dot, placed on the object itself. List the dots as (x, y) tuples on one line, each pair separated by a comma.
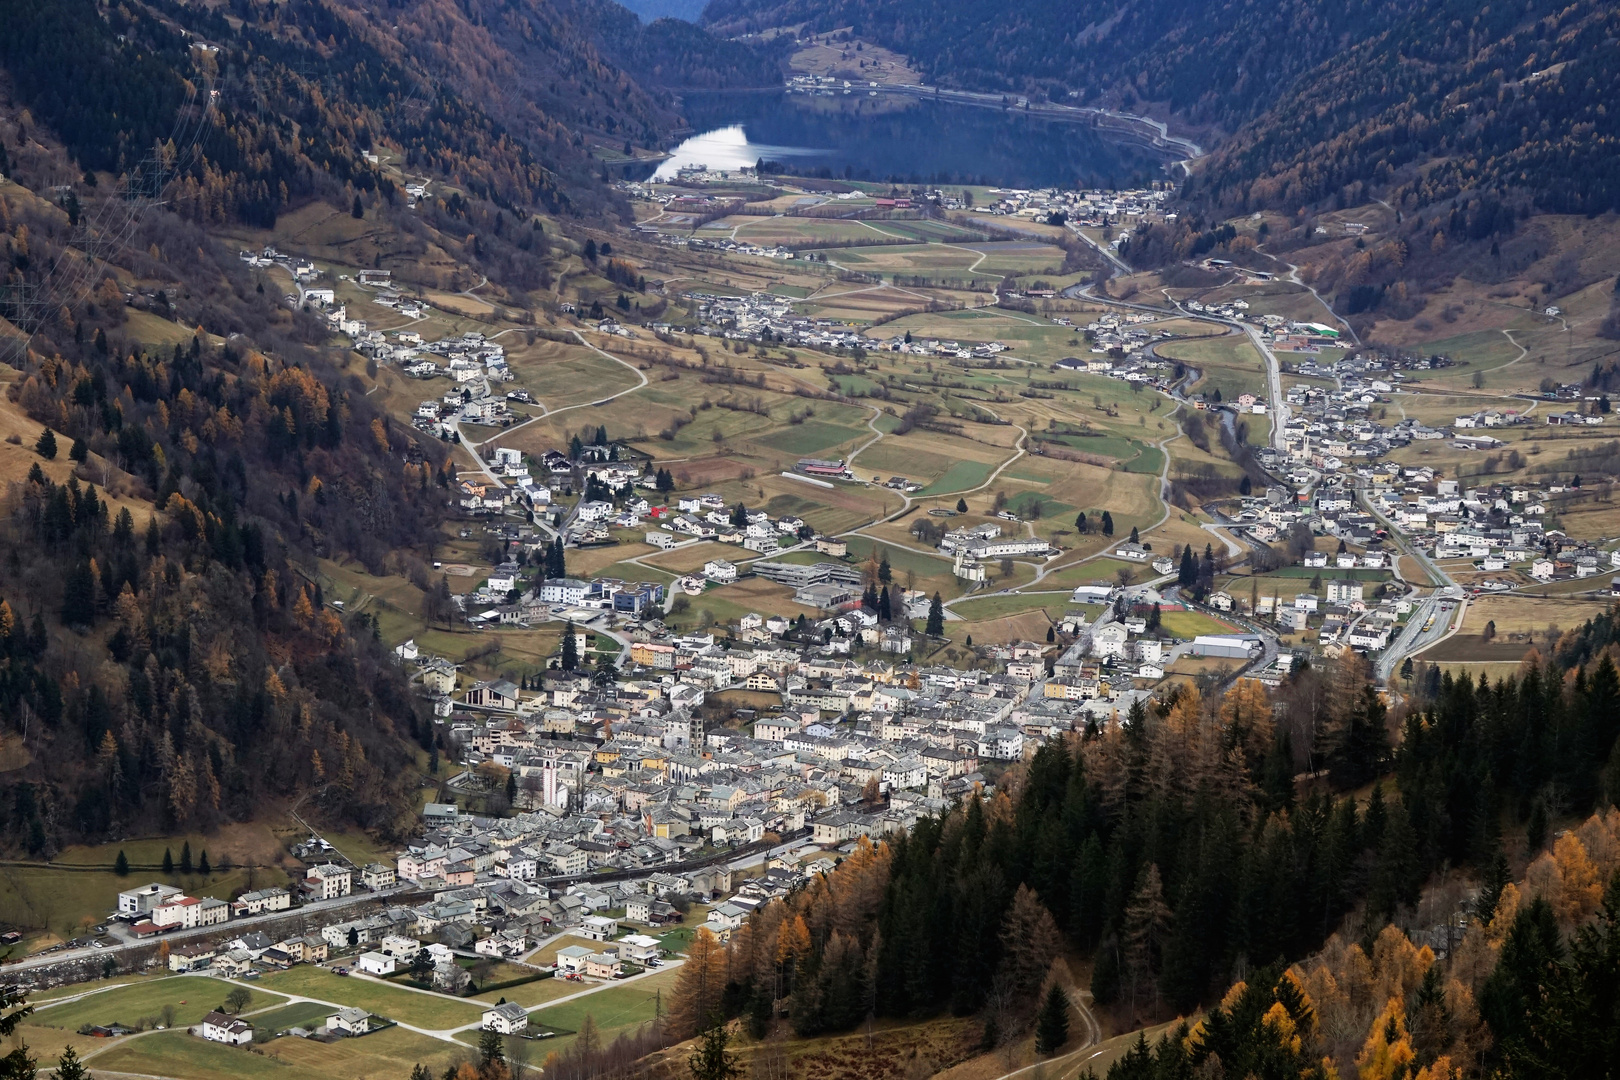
[(801, 511)]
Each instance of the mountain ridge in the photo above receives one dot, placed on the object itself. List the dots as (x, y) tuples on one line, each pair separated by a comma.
[(1298, 101)]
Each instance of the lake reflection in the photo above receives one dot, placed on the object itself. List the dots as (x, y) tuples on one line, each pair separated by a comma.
[(726, 148), (908, 140)]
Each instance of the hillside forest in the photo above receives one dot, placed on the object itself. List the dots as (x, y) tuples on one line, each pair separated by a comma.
[(1375, 918)]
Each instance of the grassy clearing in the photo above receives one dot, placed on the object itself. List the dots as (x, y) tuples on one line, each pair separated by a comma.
[(191, 996), (67, 990), (59, 901), (560, 375), (534, 993), (614, 1008), (1230, 364), (728, 603), (1529, 614), (1189, 624), (961, 476), (1039, 504), (384, 1055), (810, 437), (410, 1006), (983, 608), (1023, 626), (304, 1014), (46, 1044), (186, 1057)]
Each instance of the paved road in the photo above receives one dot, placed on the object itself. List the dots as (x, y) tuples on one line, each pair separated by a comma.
[(1413, 638), (1063, 1063), (1447, 605)]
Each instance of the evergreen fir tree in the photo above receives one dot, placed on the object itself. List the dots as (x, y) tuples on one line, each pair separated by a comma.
[(168, 863), (46, 446), (1536, 829), (491, 1050), (935, 626), (79, 595), (1052, 1026), (202, 863), (121, 864), (1107, 523), (1497, 875), (711, 1060), (961, 506), (69, 1067), (185, 857), (570, 647)]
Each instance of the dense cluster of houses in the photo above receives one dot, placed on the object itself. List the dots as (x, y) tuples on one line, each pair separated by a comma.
[(765, 316), (1091, 207), (157, 908)]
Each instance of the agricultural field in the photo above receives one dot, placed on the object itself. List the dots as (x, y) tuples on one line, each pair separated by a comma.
[(535, 993), (1522, 618), (304, 1014), (684, 560), (432, 1011), (986, 608), (1024, 626), (615, 1009), (558, 375), (1230, 364), (144, 1003), (1189, 624), (955, 262), (725, 604), (186, 1057), (381, 1055)]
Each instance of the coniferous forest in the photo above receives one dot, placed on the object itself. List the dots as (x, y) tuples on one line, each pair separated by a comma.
[(1301, 101), (1178, 856)]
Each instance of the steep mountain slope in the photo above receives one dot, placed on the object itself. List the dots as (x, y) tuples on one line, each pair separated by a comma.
[(688, 10), (1515, 100), (500, 97), (672, 53), (552, 70), (1305, 99), (1214, 63), (167, 661)]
